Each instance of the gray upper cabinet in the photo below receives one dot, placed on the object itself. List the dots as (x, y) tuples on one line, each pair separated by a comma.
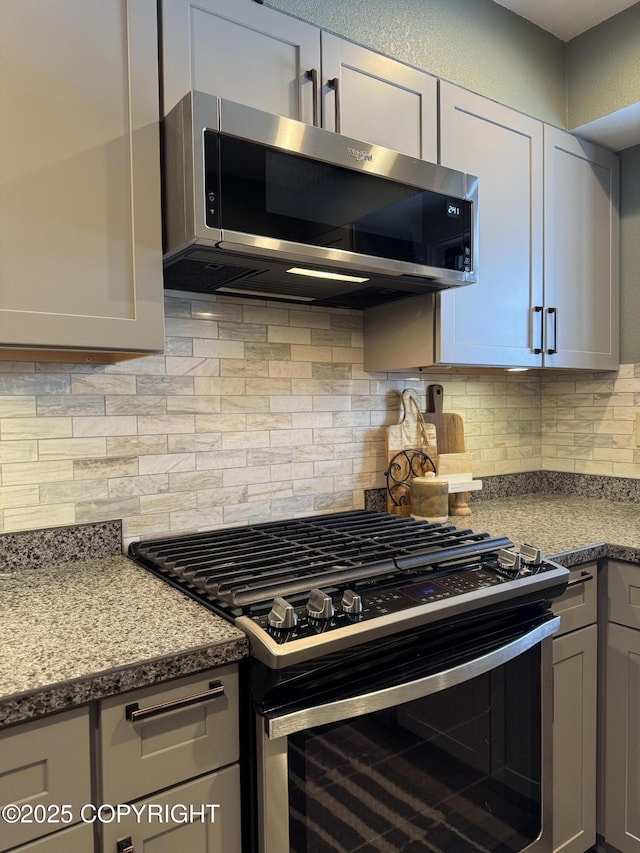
[(547, 290), (489, 323), (257, 56), (242, 51), (581, 253), (371, 97), (80, 230)]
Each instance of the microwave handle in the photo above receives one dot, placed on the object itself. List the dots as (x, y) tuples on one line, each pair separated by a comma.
[(389, 697), (334, 83)]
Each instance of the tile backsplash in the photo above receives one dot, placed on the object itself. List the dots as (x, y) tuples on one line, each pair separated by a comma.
[(259, 410)]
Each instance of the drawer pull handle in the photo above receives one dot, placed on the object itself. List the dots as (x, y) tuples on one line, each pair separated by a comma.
[(584, 577), (137, 715), (125, 845)]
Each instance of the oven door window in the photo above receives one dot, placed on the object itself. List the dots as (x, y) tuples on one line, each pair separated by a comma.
[(456, 771)]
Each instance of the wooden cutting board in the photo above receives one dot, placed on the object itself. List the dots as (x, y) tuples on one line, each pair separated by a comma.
[(450, 436), (412, 433), (449, 426)]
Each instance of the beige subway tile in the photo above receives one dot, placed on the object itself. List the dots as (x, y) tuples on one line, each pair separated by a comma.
[(269, 420), (291, 438), (626, 469), (164, 424), (71, 448), (109, 426), (18, 451), (20, 407), (290, 403), (310, 319), (167, 502), (144, 527), (271, 385), (180, 327), (291, 471), (220, 423), (193, 405), (134, 406), (88, 511), (306, 420), (238, 367), (335, 501), (166, 462), (310, 353), (194, 442), (242, 331), (268, 315), (247, 513), (25, 428), (32, 518), (127, 487), (147, 366), (244, 404), (193, 366), (269, 491), (102, 383), (600, 468), (351, 419), (269, 455), (309, 452), (622, 455), (203, 348), (73, 491), (222, 497), (219, 386), (136, 445), (291, 369), (219, 459), (242, 476), (16, 496), (104, 469), (269, 352), (217, 309), (288, 335), (331, 468), (187, 520), (16, 474), (31, 384), (352, 355), (253, 438), (313, 486), (193, 481)]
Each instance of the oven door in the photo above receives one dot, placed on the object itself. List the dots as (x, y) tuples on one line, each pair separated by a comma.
[(446, 749)]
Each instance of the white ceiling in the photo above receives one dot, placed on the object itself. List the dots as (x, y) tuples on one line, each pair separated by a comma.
[(566, 18)]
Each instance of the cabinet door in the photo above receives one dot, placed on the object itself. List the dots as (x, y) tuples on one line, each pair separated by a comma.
[(574, 740), (622, 744), (242, 51), (45, 764), (80, 232), (378, 99), (492, 322), (581, 185), (200, 817), (78, 838)]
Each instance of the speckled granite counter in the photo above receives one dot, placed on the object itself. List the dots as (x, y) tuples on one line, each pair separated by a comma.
[(80, 631), (95, 624), (572, 529)]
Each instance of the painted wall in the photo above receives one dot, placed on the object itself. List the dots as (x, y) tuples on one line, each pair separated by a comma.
[(474, 43), (603, 68)]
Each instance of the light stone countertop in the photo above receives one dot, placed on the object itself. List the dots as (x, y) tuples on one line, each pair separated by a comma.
[(572, 529), (85, 630)]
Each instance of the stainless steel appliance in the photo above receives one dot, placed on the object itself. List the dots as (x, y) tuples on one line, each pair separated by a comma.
[(260, 205), (399, 679)]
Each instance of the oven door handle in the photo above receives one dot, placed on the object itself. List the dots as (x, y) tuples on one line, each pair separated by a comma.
[(389, 697)]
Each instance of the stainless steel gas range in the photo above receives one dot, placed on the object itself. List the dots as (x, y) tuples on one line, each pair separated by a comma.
[(399, 679)]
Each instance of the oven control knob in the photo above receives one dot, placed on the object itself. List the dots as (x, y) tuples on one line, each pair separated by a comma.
[(282, 615), (530, 555), (351, 602), (510, 562), (320, 605)]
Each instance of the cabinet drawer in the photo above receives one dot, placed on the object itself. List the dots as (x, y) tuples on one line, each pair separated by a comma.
[(78, 838), (184, 731), (217, 831), (623, 585), (578, 606), (44, 763)]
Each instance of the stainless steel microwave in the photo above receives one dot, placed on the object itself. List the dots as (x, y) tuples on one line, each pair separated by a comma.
[(260, 205)]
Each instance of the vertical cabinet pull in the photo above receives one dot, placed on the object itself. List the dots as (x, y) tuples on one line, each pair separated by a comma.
[(554, 313), (537, 309), (134, 714), (125, 845), (312, 74), (334, 84)]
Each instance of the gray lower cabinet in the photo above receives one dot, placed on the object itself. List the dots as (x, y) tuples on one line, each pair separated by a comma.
[(45, 765), (80, 228), (575, 671), (168, 749), (622, 724)]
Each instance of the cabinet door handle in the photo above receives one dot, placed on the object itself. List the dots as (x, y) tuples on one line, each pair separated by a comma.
[(135, 714), (312, 74), (334, 84), (125, 845), (554, 349), (537, 309), (584, 577)]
